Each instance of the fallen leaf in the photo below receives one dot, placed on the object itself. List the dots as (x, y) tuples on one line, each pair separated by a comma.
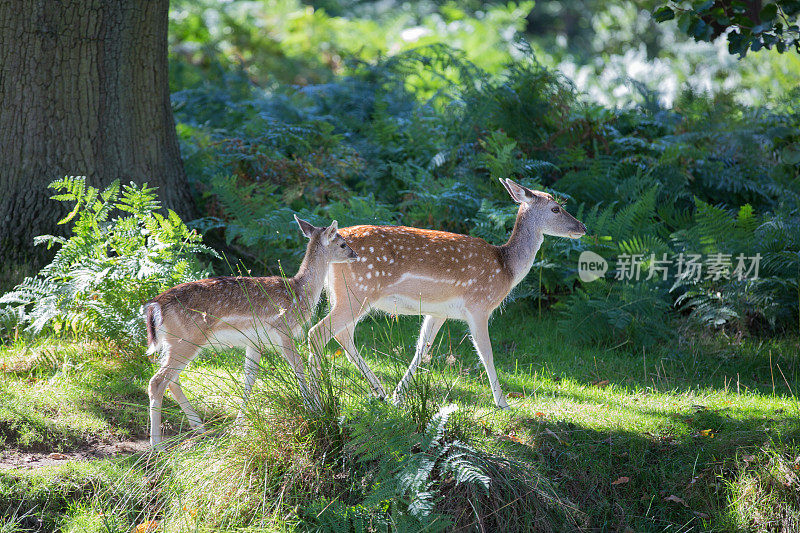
[(515, 395), (601, 384), (539, 414), (748, 458), (191, 510), (620, 480), (146, 527), (707, 433), (676, 499), (57, 456)]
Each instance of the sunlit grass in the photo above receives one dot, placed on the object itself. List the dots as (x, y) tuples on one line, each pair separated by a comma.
[(58, 395), (647, 440)]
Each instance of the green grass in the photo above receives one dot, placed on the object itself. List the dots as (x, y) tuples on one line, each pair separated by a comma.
[(60, 395), (701, 435)]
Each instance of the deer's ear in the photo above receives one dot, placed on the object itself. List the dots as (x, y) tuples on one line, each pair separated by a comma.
[(330, 232), (305, 227), (517, 192)]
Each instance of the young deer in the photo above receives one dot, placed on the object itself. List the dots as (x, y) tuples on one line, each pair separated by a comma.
[(437, 274), (255, 313)]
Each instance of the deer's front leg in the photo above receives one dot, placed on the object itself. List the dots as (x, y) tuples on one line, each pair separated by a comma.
[(309, 394), (347, 340), (252, 358), (343, 317), (479, 328), (430, 327)]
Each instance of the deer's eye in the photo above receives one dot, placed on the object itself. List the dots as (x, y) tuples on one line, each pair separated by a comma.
[(342, 245), (555, 210)]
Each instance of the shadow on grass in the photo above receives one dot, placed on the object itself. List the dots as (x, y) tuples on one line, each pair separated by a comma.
[(61, 408)]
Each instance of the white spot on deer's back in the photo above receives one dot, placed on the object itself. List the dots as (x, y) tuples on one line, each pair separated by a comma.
[(369, 275), (371, 249), (370, 266)]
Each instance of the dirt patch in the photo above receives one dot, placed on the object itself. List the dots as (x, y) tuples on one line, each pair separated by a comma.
[(13, 459)]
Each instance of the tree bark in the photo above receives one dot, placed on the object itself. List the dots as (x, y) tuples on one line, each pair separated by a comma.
[(83, 91)]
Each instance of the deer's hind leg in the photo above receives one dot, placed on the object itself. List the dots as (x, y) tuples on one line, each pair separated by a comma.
[(178, 354), (194, 419)]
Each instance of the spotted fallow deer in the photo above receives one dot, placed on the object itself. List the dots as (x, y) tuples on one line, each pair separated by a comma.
[(254, 312), (441, 275)]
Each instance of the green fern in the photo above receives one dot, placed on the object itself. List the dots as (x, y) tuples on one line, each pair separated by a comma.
[(110, 265)]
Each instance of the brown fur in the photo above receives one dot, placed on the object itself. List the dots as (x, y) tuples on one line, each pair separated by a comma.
[(205, 303), (446, 258)]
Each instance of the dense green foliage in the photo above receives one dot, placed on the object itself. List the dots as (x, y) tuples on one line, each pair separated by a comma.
[(122, 252), (756, 24), (705, 177)]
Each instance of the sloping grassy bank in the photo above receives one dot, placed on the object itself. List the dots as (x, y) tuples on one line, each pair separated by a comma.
[(685, 437)]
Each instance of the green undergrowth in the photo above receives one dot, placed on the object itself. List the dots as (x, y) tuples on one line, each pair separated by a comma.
[(43, 499), (61, 395), (702, 435)]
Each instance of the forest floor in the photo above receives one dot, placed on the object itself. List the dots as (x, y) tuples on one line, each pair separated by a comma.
[(702, 435)]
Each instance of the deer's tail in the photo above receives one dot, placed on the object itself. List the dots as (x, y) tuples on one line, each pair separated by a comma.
[(152, 321)]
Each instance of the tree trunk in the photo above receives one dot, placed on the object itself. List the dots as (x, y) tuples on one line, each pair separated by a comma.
[(83, 91)]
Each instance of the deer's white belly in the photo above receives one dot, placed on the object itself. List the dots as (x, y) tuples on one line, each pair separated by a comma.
[(253, 337), (404, 305)]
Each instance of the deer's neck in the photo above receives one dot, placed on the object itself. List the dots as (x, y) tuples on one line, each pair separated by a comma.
[(310, 278), (519, 252)]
